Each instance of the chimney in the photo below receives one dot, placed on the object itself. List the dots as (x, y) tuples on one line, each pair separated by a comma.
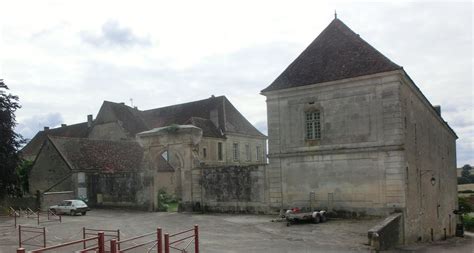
[(46, 128), (135, 107), (437, 109), (122, 103), (63, 125), (89, 120)]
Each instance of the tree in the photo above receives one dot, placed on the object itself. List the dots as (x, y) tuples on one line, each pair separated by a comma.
[(10, 142)]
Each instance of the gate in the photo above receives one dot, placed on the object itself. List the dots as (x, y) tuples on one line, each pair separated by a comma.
[(26, 234), (98, 248), (112, 234), (157, 242), (173, 244)]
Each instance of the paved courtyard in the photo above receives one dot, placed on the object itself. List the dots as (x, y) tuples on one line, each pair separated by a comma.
[(220, 233)]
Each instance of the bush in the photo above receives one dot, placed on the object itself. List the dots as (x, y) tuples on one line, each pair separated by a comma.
[(464, 205), (468, 222), (165, 200)]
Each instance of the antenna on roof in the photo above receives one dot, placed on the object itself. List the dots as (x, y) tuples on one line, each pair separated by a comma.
[(335, 14), (131, 102)]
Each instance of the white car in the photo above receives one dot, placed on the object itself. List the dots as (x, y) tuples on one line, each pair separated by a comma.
[(71, 207)]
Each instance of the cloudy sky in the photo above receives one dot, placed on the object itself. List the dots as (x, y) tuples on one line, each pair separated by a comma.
[(63, 58)]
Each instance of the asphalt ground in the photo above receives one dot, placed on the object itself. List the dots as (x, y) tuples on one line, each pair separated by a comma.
[(223, 233)]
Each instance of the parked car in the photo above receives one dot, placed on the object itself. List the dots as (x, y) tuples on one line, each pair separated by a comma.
[(72, 207)]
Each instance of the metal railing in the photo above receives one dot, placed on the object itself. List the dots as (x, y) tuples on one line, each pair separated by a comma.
[(157, 242), (31, 233), (108, 233), (98, 248), (193, 237), (51, 217)]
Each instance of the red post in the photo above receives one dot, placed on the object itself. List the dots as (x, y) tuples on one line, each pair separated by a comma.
[(113, 246), (19, 236), (167, 243), (159, 245), (14, 217), (44, 237), (118, 238), (83, 237), (196, 239), (20, 250), (100, 242)]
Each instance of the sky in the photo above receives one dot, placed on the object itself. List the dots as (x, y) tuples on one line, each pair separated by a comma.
[(64, 58)]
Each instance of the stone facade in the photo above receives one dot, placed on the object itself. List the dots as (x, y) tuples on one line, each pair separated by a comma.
[(380, 147)]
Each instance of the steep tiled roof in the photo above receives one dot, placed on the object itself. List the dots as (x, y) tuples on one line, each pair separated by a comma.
[(129, 118), (208, 128), (230, 118), (99, 155), (337, 53), (77, 131)]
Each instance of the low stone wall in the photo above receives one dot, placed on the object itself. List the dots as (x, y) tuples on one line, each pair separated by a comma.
[(53, 198), (388, 233), (23, 203), (236, 189)]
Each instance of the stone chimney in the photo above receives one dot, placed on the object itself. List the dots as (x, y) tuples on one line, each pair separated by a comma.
[(63, 125), (89, 120), (46, 128), (437, 109)]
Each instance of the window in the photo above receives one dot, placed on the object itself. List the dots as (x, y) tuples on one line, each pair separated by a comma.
[(219, 151), (313, 125), (258, 153), (247, 152), (165, 155), (236, 151), (204, 153)]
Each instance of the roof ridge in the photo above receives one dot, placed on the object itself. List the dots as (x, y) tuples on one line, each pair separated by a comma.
[(185, 103)]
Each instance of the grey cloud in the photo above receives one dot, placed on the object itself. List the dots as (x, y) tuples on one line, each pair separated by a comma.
[(112, 34), (30, 126)]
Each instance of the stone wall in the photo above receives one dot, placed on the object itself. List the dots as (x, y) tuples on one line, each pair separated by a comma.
[(53, 198), (356, 165), (388, 233), (230, 189), (50, 172), (431, 169)]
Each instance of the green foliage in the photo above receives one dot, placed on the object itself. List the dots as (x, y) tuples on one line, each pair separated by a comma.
[(466, 176), (10, 143), (463, 180), (468, 222), (23, 170), (464, 205), (466, 191), (166, 202)]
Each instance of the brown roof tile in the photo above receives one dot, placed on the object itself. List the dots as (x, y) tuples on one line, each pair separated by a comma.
[(337, 53)]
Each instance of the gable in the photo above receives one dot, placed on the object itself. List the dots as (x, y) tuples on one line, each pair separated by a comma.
[(337, 53)]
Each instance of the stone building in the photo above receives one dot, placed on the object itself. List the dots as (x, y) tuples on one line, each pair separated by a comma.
[(350, 131), (90, 158)]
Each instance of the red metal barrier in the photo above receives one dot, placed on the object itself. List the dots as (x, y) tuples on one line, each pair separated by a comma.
[(157, 242), (51, 217), (172, 244), (38, 231), (98, 248), (114, 234)]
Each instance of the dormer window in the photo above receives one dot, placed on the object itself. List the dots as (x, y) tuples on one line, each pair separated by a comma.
[(313, 125)]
